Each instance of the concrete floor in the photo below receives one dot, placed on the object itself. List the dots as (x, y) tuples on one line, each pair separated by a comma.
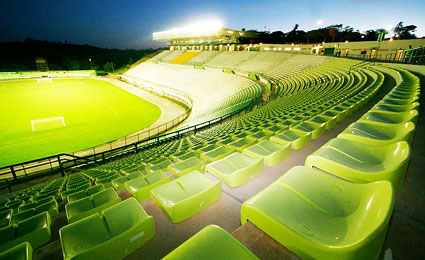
[(405, 239)]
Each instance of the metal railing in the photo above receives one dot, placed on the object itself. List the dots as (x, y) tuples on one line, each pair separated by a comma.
[(95, 155), (61, 162), (174, 94)]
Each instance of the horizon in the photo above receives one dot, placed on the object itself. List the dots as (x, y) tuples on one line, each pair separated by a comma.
[(129, 25)]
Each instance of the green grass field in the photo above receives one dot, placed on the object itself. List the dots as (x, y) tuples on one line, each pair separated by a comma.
[(93, 112)]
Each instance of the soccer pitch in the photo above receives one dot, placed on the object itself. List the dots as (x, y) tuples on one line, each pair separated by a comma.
[(40, 119)]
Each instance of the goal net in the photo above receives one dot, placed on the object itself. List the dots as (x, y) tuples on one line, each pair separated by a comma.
[(44, 80), (47, 123)]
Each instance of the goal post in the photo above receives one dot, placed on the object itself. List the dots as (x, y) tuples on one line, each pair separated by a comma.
[(44, 80), (47, 123)]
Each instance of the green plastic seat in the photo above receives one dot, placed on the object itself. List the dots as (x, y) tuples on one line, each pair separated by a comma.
[(285, 124), (216, 154), (321, 217), (276, 129), (186, 196), (252, 130), (140, 187), (20, 216), (119, 183), (48, 203), (183, 167), (22, 251), (77, 195), (296, 138), (240, 144), (271, 152), (114, 233), (50, 206), (398, 101), (160, 166), (258, 137), (84, 193), (27, 206), (206, 148), (340, 112), (329, 117), (90, 205), (379, 134), (105, 180), (211, 243), (184, 156), (5, 217), (382, 118), (395, 108), (315, 129), (94, 189), (224, 141), (35, 230), (235, 169), (362, 163)]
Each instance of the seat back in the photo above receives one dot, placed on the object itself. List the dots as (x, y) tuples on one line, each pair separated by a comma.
[(137, 183), (77, 195), (79, 206), (83, 235), (376, 202), (104, 196), (95, 189), (134, 175), (123, 216), (27, 207), (16, 218), (7, 234), (33, 223), (5, 217), (50, 205)]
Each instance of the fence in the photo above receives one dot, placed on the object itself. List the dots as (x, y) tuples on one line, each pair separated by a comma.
[(413, 56), (95, 155), (61, 162)]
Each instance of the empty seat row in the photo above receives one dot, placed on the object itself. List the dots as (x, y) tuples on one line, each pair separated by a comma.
[(344, 212)]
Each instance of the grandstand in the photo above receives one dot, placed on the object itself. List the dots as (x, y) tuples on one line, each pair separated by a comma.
[(283, 156)]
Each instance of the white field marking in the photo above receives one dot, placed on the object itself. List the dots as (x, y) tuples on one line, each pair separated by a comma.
[(44, 120)]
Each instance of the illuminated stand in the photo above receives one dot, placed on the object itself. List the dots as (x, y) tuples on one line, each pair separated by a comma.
[(206, 35)]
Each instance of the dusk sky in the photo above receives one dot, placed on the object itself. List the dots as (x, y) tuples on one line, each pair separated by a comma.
[(129, 24)]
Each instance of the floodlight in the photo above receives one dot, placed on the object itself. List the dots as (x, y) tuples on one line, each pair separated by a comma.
[(199, 27)]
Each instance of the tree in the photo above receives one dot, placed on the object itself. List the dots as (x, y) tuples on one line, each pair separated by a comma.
[(405, 32), (296, 35), (71, 64), (276, 37), (109, 66)]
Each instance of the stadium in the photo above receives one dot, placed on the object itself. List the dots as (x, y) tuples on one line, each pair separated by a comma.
[(218, 146)]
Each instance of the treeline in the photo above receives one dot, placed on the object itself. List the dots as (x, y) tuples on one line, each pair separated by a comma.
[(333, 33), (20, 56)]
